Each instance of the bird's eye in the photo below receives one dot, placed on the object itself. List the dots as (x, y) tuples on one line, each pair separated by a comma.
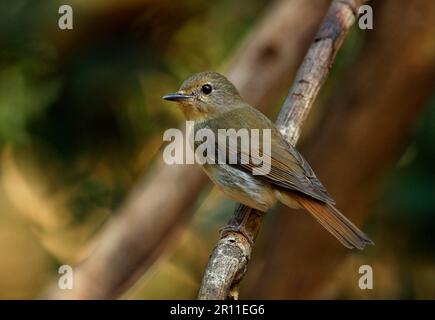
[(206, 89)]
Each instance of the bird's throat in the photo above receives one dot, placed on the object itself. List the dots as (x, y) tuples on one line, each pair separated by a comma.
[(196, 113)]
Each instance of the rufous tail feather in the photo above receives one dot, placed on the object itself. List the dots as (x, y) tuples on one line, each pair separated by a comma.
[(335, 222)]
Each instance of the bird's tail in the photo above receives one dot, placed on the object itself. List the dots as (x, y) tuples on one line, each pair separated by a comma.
[(335, 222)]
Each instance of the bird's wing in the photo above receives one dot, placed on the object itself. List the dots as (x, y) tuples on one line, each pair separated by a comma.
[(288, 169)]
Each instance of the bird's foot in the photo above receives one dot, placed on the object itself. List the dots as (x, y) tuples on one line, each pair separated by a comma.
[(239, 228)]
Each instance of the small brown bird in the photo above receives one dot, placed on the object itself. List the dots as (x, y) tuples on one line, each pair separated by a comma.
[(213, 102)]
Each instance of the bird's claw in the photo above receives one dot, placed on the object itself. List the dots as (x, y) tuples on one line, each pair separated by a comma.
[(239, 228)]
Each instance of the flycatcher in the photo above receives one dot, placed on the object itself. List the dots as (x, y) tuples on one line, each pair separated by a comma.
[(211, 101)]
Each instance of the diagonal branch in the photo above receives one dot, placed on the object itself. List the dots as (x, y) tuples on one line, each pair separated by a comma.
[(229, 260)]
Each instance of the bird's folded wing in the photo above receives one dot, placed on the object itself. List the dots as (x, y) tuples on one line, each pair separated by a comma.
[(288, 169), (285, 168)]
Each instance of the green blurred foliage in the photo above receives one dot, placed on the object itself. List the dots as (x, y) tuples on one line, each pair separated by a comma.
[(409, 200), (91, 96)]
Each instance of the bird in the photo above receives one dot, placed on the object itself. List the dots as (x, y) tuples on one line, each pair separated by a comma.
[(211, 101)]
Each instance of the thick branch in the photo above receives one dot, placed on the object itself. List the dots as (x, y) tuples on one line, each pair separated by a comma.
[(229, 260)]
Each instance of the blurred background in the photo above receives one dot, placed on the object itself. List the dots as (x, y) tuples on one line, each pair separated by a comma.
[(81, 125)]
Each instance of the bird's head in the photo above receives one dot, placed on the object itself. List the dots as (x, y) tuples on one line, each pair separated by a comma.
[(205, 95)]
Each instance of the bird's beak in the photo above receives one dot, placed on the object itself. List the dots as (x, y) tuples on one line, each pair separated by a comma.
[(177, 96)]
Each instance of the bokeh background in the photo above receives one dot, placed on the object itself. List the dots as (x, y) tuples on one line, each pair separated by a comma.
[(81, 124)]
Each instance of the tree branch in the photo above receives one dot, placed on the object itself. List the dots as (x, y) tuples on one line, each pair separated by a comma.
[(229, 260)]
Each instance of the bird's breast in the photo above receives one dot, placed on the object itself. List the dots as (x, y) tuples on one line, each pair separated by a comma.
[(241, 186)]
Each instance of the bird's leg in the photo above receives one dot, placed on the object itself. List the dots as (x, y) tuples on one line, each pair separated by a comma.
[(243, 222)]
